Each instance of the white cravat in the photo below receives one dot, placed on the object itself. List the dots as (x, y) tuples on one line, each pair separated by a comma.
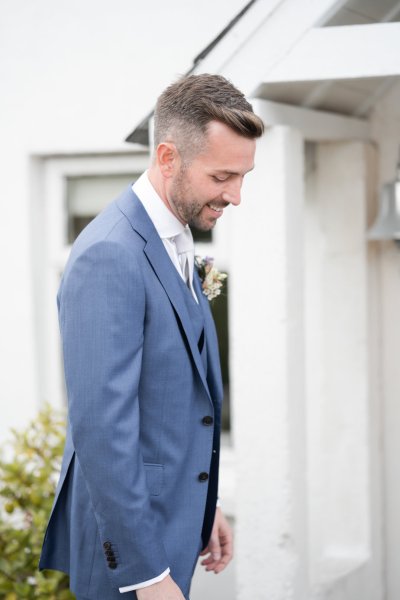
[(185, 248)]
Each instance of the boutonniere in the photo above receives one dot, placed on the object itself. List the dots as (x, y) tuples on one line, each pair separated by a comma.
[(212, 280)]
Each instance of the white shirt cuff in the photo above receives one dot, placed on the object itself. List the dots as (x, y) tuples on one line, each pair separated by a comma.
[(138, 586)]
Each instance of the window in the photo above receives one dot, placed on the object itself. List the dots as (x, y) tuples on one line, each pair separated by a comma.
[(87, 195), (68, 191)]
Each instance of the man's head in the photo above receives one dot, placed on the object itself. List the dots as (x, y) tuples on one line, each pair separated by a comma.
[(185, 109), (204, 137)]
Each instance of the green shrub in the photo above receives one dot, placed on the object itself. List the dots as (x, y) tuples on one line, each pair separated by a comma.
[(29, 468)]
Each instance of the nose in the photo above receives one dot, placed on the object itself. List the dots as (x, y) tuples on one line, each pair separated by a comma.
[(231, 193)]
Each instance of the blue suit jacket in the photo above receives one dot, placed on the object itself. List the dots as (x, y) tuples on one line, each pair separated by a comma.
[(139, 477)]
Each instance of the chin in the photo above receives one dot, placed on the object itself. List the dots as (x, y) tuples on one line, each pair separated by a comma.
[(201, 226)]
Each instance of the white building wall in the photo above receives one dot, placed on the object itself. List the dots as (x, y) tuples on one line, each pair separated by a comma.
[(75, 77), (267, 369), (341, 558), (385, 128), (343, 442)]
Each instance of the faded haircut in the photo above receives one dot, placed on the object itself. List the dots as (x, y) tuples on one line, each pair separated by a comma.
[(186, 107)]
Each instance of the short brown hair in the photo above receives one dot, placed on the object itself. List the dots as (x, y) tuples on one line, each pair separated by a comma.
[(186, 107)]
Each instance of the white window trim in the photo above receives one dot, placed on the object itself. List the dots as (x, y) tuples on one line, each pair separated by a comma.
[(51, 232)]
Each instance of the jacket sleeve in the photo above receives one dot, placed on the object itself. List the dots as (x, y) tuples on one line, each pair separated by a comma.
[(102, 312)]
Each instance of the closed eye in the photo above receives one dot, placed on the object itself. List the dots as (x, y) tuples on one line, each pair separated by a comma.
[(220, 179)]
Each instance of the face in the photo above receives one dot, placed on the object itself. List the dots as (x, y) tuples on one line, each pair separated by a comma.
[(199, 192)]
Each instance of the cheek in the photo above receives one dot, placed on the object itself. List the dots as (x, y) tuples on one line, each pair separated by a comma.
[(203, 190), (209, 190)]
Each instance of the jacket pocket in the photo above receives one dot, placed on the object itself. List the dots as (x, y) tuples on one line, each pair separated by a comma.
[(154, 477)]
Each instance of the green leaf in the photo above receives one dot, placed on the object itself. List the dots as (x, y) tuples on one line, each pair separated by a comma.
[(28, 478)]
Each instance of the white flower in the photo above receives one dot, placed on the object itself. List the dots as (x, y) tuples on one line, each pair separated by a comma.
[(212, 279)]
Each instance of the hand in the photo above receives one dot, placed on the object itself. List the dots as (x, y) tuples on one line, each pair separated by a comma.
[(220, 546), (163, 590)]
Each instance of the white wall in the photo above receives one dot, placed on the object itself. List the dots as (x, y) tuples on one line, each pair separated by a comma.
[(385, 126), (75, 77), (343, 436), (268, 374), (343, 506)]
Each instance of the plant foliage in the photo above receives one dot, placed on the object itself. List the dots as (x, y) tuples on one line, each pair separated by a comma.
[(29, 468)]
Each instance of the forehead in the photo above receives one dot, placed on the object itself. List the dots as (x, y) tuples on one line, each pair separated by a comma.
[(226, 150)]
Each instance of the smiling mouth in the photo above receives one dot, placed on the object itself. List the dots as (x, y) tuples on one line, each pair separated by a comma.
[(215, 208)]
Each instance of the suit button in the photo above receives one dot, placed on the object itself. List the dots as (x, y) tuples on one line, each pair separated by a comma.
[(203, 476), (109, 554), (110, 557), (107, 545), (207, 420), (112, 565)]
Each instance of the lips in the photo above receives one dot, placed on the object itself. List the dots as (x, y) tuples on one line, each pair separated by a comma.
[(215, 207)]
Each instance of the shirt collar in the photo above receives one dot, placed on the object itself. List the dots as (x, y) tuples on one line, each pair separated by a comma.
[(165, 222)]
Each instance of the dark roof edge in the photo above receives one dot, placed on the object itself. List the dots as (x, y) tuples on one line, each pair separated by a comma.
[(140, 134), (221, 35)]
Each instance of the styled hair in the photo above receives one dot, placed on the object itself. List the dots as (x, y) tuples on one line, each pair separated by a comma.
[(186, 107)]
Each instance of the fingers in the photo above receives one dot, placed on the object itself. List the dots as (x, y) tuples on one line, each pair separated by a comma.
[(220, 546), (214, 552), (227, 555), (214, 546), (217, 560)]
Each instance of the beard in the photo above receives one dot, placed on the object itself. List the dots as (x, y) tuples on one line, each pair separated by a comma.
[(187, 206)]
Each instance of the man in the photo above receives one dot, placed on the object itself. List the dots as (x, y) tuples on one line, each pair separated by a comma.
[(136, 500)]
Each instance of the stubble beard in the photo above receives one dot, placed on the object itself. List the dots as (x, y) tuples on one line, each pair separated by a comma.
[(188, 210)]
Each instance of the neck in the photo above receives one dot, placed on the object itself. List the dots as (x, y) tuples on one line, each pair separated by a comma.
[(158, 182)]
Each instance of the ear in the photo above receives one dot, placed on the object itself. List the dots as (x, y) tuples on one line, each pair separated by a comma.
[(167, 158)]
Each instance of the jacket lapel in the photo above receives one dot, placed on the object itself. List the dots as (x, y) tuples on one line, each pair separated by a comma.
[(154, 249), (214, 378)]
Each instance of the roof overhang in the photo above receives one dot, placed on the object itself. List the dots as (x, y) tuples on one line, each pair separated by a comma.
[(286, 43)]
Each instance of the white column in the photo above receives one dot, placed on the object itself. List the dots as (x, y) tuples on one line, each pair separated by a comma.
[(385, 127), (342, 375), (267, 369), (390, 352)]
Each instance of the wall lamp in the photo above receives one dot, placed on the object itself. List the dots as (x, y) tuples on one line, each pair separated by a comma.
[(387, 223)]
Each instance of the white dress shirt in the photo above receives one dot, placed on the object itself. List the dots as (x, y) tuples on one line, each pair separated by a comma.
[(167, 225)]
